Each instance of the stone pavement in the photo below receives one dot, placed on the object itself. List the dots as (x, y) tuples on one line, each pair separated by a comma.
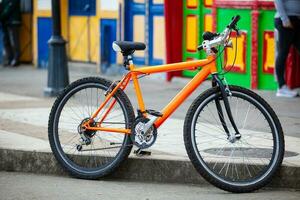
[(24, 117), (14, 186)]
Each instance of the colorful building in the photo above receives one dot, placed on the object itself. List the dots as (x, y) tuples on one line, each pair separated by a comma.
[(171, 29), (90, 27), (254, 64), (82, 23)]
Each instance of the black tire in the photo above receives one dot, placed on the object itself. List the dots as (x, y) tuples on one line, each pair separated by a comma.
[(249, 165), (106, 150)]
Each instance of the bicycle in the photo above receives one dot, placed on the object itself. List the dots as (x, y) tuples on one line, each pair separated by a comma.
[(232, 136)]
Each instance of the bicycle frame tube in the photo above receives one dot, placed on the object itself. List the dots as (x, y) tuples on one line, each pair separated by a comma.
[(208, 68), (182, 95), (190, 65), (185, 93)]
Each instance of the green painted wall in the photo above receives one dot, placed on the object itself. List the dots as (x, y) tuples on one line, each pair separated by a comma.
[(223, 18), (266, 23), (200, 11)]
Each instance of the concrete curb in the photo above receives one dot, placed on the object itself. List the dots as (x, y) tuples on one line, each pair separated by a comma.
[(136, 169)]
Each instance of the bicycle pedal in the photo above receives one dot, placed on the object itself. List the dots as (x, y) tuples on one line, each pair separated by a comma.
[(140, 152), (154, 113)]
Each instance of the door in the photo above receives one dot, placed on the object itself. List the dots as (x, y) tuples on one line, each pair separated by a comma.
[(44, 34), (144, 22), (82, 29), (108, 36)]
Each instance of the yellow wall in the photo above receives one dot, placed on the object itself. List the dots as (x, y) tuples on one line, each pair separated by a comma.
[(94, 39), (159, 41), (64, 19), (192, 3), (84, 35), (208, 22), (239, 61), (192, 33), (83, 38), (138, 33), (26, 38), (269, 52), (78, 38)]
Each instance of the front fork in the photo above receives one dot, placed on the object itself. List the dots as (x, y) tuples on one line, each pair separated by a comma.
[(225, 92)]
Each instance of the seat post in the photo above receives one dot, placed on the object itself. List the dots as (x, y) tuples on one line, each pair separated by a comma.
[(128, 64), (128, 61)]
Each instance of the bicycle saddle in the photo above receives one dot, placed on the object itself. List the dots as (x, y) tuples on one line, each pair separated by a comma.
[(127, 47)]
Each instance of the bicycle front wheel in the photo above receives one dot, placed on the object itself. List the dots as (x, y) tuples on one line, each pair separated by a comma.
[(237, 165), (89, 154)]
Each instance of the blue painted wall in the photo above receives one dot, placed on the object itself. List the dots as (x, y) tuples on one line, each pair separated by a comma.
[(82, 7), (44, 34), (108, 34), (132, 8)]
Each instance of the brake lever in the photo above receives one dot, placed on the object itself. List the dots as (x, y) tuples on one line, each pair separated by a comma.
[(229, 44), (214, 50), (237, 31)]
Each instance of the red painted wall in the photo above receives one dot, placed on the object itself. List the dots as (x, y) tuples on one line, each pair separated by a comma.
[(174, 24)]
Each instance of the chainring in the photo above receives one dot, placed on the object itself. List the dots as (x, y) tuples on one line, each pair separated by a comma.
[(141, 139)]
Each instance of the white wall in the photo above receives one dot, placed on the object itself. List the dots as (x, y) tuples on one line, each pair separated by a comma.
[(44, 5), (110, 5)]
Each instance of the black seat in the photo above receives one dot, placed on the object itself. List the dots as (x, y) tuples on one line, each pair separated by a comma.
[(127, 47)]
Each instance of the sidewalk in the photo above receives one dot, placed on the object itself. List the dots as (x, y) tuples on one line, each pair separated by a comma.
[(24, 142)]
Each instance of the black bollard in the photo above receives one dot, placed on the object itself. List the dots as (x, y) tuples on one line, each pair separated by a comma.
[(58, 75)]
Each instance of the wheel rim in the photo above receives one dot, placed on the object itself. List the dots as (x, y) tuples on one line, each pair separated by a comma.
[(105, 148), (240, 163)]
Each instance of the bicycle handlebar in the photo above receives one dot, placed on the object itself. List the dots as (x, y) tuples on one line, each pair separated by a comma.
[(234, 22), (216, 39)]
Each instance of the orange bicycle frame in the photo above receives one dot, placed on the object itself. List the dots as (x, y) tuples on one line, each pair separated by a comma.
[(208, 67)]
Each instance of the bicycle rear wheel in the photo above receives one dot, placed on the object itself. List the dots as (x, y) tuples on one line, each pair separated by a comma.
[(240, 165), (101, 152)]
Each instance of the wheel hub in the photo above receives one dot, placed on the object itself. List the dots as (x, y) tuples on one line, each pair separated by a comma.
[(86, 135), (82, 129), (234, 137)]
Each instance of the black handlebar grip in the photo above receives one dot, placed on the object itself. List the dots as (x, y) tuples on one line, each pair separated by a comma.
[(234, 21), (200, 48), (209, 35)]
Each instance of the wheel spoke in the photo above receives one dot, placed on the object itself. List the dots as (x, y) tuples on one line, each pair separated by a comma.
[(242, 160), (90, 150)]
